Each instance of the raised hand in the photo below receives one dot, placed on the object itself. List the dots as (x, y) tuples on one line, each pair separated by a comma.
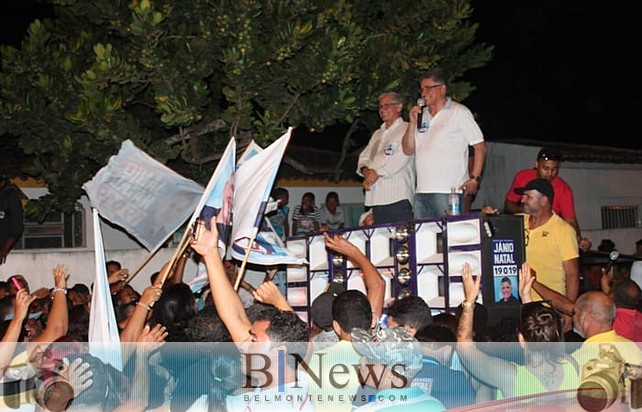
[(471, 285), (526, 279), (22, 302), (269, 293), (205, 241), (339, 244)]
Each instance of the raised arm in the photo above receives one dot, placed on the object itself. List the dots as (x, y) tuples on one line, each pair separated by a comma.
[(526, 279), (58, 320), (375, 285), (226, 299), (269, 293), (408, 142), (10, 338), (488, 369)]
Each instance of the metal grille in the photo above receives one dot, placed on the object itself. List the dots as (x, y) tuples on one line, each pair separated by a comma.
[(619, 216)]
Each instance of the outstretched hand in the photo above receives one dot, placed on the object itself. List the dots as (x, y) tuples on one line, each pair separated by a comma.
[(339, 244), (526, 279), (471, 285), (206, 240), (22, 302)]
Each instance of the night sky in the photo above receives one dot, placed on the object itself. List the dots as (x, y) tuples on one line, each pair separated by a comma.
[(558, 72), (561, 70)]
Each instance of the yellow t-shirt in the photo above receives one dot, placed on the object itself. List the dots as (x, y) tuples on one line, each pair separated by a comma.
[(629, 350), (548, 246)]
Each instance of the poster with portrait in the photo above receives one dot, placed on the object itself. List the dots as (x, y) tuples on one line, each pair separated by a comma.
[(505, 274)]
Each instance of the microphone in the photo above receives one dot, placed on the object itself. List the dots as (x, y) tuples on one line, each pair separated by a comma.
[(420, 124), (613, 256)]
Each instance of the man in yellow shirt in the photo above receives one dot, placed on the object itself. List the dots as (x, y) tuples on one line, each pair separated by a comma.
[(551, 243)]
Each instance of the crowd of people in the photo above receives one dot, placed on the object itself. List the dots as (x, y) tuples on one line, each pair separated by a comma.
[(223, 349), (213, 350)]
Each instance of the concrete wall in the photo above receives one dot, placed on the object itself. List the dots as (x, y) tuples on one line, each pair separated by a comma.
[(594, 185)]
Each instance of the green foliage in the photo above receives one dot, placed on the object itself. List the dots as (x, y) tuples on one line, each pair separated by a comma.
[(105, 71)]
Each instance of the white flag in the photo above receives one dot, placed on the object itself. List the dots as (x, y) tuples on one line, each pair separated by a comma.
[(218, 197), (104, 339), (146, 198), (254, 180)]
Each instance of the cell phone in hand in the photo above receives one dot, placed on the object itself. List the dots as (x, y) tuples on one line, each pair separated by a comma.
[(16, 283)]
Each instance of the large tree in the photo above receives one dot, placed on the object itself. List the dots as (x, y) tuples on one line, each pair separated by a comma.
[(179, 77)]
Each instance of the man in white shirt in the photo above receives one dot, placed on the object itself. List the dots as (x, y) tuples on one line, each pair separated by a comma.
[(388, 173)]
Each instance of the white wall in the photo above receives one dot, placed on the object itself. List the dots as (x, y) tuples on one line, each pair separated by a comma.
[(594, 184)]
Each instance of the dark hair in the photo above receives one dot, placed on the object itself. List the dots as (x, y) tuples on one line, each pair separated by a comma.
[(206, 326), (285, 328), (435, 75), (539, 323), (279, 192), (225, 369), (78, 323), (113, 262), (480, 321), (436, 333), (176, 306), (308, 194), (81, 288), (351, 309), (412, 311), (332, 195), (626, 293), (506, 279), (606, 245), (108, 390)]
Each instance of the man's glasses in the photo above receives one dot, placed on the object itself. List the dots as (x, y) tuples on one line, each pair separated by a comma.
[(387, 105), (426, 88)]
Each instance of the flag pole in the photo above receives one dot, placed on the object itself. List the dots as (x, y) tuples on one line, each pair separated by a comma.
[(182, 244), (241, 272), (142, 265)]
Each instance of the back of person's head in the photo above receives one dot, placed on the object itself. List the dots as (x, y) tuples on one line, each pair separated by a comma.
[(351, 309), (438, 335), (153, 277), (225, 369), (78, 323), (447, 319), (175, 307), (597, 306), (539, 323), (480, 321), (625, 293), (206, 326), (410, 311), (108, 390), (606, 245)]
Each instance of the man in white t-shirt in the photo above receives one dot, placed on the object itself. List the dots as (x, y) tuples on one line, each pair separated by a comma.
[(441, 151)]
